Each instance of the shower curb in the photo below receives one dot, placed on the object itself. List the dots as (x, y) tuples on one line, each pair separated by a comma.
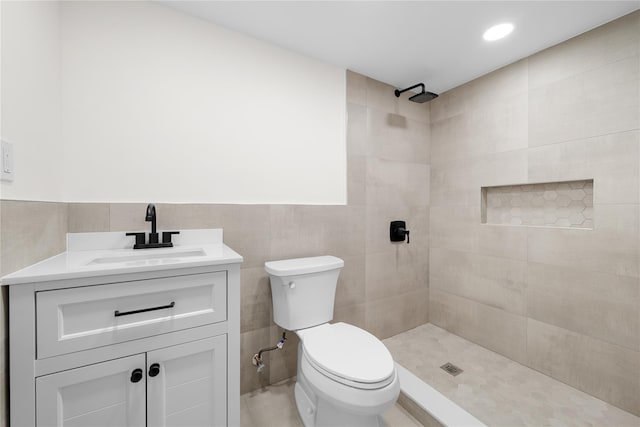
[(430, 407)]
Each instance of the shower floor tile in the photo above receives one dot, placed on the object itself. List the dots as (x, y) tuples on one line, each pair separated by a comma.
[(274, 406), (497, 390)]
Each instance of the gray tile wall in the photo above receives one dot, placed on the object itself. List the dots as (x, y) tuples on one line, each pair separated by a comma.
[(563, 301), (29, 232)]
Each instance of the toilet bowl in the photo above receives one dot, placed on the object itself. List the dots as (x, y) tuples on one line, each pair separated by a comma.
[(346, 376)]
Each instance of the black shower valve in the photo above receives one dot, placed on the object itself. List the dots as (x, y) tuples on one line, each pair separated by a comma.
[(397, 231)]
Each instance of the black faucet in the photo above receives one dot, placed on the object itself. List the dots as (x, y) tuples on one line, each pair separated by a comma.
[(151, 216), (153, 236)]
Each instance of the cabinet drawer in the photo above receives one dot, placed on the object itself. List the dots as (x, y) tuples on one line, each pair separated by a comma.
[(76, 319)]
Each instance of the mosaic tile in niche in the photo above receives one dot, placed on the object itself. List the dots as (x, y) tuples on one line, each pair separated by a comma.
[(552, 204)]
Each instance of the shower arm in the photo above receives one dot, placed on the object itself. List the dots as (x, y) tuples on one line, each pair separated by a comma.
[(398, 92)]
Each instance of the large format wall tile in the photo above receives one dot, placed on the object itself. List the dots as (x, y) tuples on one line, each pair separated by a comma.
[(493, 128), (503, 83), (255, 299), (298, 230), (246, 230), (602, 45), (454, 184), (454, 228), (502, 241), (352, 314), (356, 88), (394, 137), (87, 217), (460, 183), (31, 232), (246, 227), (601, 305), (459, 228), (612, 161), (611, 247), (390, 273), (351, 283), (495, 329), (596, 102), (129, 217), (356, 180), (357, 130), (485, 116), (380, 96), (397, 183), (607, 371), (449, 104), (390, 316), (497, 282)]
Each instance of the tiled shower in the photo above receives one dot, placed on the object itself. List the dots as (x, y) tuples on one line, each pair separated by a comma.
[(561, 300)]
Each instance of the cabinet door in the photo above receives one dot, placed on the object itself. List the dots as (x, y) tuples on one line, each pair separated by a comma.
[(188, 386), (103, 394)]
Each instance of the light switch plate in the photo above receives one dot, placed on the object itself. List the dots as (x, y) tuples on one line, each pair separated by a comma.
[(7, 171)]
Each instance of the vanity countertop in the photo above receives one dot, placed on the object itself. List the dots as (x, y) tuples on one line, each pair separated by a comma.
[(110, 253)]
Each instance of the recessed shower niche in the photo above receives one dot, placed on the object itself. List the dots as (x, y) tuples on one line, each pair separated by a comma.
[(551, 204)]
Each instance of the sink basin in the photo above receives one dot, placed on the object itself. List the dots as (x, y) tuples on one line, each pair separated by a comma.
[(164, 256)]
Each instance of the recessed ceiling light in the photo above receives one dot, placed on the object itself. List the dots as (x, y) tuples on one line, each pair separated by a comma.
[(498, 31)]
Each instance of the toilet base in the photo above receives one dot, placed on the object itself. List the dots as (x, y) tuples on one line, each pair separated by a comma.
[(316, 412)]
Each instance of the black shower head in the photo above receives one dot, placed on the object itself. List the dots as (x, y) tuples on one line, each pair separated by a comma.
[(422, 97)]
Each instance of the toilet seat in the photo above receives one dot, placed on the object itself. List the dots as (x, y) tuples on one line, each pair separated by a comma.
[(348, 355)]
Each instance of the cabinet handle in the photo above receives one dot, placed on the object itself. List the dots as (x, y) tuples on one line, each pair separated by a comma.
[(154, 370), (142, 310), (136, 375)]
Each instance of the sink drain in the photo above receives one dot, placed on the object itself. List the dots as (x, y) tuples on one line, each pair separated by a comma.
[(451, 369)]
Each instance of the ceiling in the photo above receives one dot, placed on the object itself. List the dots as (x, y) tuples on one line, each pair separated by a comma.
[(406, 42)]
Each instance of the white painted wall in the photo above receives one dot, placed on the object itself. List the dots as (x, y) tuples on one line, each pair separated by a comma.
[(160, 106), (133, 101), (30, 98)]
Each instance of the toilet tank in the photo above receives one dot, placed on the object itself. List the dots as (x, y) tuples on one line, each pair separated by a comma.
[(303, 290)]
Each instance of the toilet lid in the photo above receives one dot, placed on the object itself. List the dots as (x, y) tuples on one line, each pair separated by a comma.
[(349, 352)]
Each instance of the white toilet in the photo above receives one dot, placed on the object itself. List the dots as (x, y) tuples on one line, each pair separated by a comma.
[(346, 376)]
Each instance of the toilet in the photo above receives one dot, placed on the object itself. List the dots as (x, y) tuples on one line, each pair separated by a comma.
[(346, 376)]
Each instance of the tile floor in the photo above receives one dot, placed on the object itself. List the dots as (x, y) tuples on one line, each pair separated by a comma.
[(497, 390), (274, 406)]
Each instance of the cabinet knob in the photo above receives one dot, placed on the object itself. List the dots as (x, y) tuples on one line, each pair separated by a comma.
[(154, 370), (136, 375)]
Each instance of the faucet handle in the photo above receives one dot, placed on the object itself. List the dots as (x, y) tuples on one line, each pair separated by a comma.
[(166, 236), (139, 238)]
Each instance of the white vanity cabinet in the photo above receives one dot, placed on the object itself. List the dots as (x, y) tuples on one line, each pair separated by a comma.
[(181, 385), (132, 344)]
